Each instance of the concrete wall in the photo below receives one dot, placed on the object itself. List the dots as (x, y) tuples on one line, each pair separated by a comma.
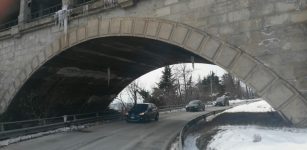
[(262, 42)]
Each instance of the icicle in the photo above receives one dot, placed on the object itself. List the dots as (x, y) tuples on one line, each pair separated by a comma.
[(61, 18), (65, 19), (192, 61), (109, 76)]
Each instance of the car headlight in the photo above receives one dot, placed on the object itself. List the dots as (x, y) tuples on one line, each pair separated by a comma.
[(141, 113)]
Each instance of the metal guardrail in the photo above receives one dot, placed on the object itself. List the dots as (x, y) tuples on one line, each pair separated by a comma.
[(8, 25), (44, 13), (183, 132), (26, 127), (79, 9), (170, 108)]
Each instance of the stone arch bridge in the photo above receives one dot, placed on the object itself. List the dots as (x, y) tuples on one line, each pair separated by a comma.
[(261, 42)]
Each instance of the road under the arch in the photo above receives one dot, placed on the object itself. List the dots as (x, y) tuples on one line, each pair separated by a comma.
[(116, 135)]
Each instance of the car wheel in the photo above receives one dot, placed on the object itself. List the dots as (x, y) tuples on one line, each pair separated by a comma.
[(157, 117)]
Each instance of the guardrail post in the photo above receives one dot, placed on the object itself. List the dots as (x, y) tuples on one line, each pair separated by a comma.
[(42, 122), (1, 127), (65, 118), (97, 116)]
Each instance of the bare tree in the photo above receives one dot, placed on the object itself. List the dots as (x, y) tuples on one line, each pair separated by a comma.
[(132, 91), (183, 73)]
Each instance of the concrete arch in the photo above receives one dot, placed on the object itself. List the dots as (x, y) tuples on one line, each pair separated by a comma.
[(277, 91)]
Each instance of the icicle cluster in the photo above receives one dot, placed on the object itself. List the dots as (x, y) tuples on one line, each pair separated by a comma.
[(61, 17)]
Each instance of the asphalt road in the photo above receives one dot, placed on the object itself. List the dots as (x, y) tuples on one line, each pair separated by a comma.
[(117, 135)]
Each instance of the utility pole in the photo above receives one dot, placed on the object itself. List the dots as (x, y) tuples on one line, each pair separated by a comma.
[(211, 85), (135, 97)]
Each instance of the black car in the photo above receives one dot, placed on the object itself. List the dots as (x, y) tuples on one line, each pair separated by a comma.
[(195, 105), (143, 112)]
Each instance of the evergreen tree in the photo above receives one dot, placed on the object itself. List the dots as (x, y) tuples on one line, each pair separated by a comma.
[(167, 81), (165, 94)]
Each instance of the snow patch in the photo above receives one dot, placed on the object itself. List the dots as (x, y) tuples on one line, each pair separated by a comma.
[(190, 142), (243, 138), (242, 101)]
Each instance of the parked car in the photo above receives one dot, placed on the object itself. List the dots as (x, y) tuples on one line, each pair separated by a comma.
[(195, 105), (222, 101), (143, 112)]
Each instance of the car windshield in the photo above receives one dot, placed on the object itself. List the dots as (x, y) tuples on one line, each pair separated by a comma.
[(194, 102), (139, 108)]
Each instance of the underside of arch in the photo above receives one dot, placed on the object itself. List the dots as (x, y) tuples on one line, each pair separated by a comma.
[(87, 76)]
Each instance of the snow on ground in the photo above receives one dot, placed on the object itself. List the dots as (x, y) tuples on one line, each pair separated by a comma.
[(258, 106), (255, 138), (190, 142)]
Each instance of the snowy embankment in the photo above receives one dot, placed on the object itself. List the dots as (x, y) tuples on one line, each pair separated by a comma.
[(255, 137), (258, 106)]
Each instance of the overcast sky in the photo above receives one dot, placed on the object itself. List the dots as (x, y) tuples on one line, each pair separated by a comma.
[(149, 80)]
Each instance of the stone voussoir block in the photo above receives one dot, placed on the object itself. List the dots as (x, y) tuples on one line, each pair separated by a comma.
[(49, 51), (295, 111), (115, 25), (226, 56), (165, 30), (244, 65), (92, 29), (72, 38), (81, 34), (210, 48), (152, 28), (179, 34), (260, 73), (41, 56), (64, 42), (104, 26), (35, 63), (279, 93), (126, 26), (139, 26), (194, 40)]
